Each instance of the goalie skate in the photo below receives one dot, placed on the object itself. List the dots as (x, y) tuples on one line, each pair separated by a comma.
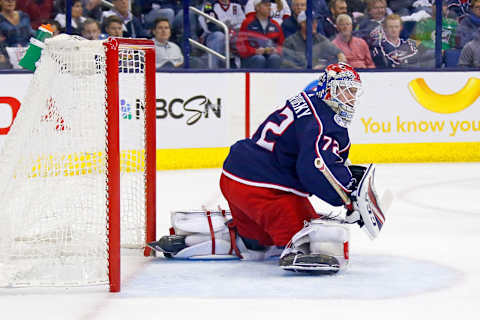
[(169, 245), (310, 263)]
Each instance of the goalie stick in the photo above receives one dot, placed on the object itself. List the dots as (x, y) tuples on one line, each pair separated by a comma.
[(320, 165), (370, 210)]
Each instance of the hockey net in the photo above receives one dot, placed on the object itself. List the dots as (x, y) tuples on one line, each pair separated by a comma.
[(77, 170)]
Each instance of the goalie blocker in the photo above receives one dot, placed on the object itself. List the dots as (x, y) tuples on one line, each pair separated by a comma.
[(368, 210)]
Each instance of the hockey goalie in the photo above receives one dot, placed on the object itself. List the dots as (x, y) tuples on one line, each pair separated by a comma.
[(300, 150)]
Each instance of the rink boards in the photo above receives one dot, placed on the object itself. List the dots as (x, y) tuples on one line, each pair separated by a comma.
[(403, 116)]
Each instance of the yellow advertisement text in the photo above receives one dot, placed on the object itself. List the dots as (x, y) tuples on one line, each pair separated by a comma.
[(399, 126)]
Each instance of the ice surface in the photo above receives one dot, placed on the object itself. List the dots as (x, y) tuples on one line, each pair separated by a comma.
[(424, 265), (369, 277)]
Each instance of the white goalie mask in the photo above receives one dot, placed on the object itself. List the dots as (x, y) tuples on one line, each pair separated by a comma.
[(340, 87)]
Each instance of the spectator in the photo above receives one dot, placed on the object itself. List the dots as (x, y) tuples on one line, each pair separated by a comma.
[(368, 25), (175, 5), (114, 26), (458, 8), (356, 8), (418, 5), (14, 25), (37, 10), (355, 49), (424, 32), (132, 27), (177, 25), (470, 55), (279, 10), (323, 51), (227, 12), (91, 29), (77, 17), (93, 9), (154, 9), (290, 24), (401, 7), (4, 58), (320, 8), (196, 56), (328, 23), (54, 25), (392, 51), (261, 38), (469, 24), (168, 54)]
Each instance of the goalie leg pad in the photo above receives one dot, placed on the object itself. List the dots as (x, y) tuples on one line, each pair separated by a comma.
[(206, 235), (321, 246)]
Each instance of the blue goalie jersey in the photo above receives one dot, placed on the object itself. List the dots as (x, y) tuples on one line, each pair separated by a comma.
[(282, 152)]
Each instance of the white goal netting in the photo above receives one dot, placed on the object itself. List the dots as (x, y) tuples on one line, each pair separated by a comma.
[(53, 184)]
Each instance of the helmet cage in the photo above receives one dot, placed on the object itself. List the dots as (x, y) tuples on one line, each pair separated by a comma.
[(340, 87), (344, 94)]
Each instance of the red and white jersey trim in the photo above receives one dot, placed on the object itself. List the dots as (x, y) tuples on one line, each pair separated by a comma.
[(317, 149), (264, 185)]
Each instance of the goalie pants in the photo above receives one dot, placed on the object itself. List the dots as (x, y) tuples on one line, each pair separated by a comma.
[(269, 216)]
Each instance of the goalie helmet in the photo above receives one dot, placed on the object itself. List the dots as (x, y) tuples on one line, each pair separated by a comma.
[(340, 86)]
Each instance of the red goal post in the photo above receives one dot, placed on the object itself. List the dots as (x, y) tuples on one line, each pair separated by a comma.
[(113, 47)]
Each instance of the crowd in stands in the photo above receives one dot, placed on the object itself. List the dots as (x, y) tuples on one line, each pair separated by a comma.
[(263, 34)]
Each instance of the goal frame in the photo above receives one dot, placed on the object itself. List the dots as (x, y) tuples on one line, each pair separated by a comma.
[(112, 47)]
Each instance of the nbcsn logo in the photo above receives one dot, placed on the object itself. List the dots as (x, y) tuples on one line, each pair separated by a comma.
[(445, 103)]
